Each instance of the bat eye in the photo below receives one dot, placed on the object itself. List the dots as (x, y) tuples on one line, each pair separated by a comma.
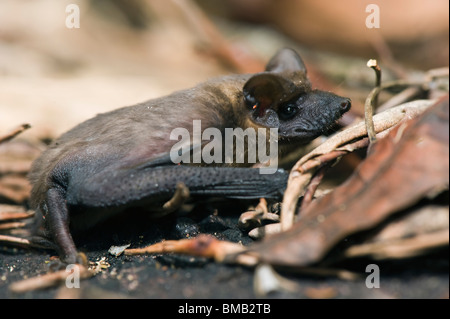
[(250, 101), (288, 111)]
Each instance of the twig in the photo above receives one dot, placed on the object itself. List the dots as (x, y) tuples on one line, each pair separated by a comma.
[(6, 216), (226, 252), (415, 89), (322, 159), (400, 248), (20, 242), (312, 187), (369, 107), (14, 133), (48, 280), (215, 41), (263, 231), (202, 246), (403, 97), (372, 99), (325, 272), (437, 73), (13, 225), (16, 241), (297, 183)]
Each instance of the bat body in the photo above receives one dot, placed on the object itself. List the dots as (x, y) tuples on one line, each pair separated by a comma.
[(124, 158)]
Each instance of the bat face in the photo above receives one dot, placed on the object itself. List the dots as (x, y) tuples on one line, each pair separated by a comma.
[(120, 159), (282, 97)]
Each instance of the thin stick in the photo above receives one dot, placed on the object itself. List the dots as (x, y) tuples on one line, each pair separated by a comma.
[(202, 246), (7, 216), (296, 186), (15, 240), (216, 42), (312, 187), (18, 241), (13, 225), (404, 96), (322, 159), (48, 280), (372, 99), (400, 248), (14, 133), (370, 105)]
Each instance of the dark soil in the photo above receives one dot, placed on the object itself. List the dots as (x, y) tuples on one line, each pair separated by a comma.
[(176, 276)]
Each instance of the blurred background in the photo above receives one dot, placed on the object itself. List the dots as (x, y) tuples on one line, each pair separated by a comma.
[(128, 51)]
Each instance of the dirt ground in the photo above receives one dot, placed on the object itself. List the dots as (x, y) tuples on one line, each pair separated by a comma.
[(176, 276)]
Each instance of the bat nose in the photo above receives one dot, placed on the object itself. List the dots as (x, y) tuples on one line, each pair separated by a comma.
[(346, 105)]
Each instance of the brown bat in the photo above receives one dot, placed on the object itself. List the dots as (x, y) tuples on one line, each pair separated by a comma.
[(124, 158)]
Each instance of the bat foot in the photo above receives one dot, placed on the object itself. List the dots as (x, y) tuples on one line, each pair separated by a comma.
[(178, 199), (257, 217)]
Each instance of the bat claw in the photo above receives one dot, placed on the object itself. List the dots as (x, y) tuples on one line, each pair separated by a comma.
[(179, 198)]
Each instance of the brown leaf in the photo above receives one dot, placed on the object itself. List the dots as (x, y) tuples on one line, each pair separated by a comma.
[(419, 230), (410, 163)]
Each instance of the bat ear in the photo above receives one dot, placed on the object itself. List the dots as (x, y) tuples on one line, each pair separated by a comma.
[(267, 90), (286, 60)]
